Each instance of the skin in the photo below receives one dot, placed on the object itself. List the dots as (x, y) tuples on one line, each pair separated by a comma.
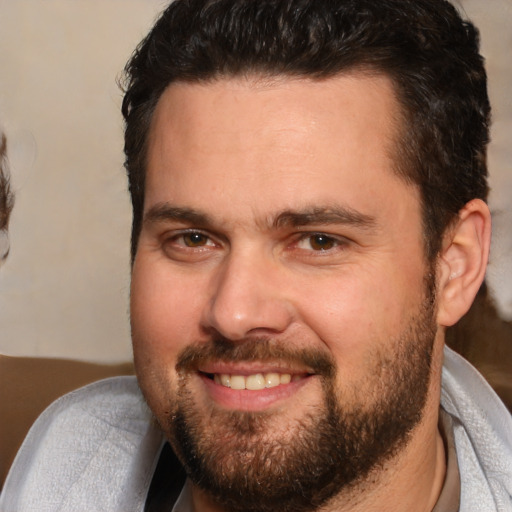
[(253, 159)]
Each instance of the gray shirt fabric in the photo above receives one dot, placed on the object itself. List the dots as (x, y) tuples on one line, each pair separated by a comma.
[(96, 449)]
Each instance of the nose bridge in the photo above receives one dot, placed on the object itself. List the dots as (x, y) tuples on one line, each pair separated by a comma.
[(247, 296)]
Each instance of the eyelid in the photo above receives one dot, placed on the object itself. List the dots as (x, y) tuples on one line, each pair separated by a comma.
[(178, 233), (339, 240)]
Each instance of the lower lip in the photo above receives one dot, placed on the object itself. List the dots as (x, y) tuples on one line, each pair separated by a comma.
[(248, 400)]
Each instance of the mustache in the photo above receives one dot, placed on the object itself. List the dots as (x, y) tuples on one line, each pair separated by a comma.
[(262, 349)]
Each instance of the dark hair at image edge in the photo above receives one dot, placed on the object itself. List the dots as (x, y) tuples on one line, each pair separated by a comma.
[(6, 197), (428, 51)]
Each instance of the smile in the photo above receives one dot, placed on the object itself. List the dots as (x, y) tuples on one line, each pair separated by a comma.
[(254, 382), (244, 389)]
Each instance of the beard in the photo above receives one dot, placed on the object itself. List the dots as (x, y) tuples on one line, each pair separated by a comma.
[(251, 462)]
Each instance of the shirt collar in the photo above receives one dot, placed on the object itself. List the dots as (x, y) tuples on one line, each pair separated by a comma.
[(449, 499)]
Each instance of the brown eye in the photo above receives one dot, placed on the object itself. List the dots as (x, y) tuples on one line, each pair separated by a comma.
[(321, 242), (195, 239)]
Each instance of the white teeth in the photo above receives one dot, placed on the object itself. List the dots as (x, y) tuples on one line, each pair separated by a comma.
[(237, 382), (254, 382), (285, 378), (272, 380)]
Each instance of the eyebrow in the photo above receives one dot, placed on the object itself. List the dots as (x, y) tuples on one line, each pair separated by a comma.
[(165, 212), (326, 215)]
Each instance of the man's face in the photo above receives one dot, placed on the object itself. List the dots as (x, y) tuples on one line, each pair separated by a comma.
[(281, 306)]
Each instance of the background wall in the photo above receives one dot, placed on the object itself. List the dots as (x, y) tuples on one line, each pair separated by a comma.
[(64, 288)]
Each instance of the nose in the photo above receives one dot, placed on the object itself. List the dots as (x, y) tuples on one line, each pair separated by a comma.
[(248, 297)]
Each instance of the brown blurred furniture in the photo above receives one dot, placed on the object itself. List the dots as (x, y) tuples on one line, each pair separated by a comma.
[(28, 385)]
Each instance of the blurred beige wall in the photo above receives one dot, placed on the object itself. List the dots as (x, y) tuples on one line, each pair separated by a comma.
[(64, 288)]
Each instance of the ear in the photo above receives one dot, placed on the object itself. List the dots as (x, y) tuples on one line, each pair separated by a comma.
[(463, 262)]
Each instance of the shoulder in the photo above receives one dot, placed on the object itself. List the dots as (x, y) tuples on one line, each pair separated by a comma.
[(93, 449), (483, 435), (466, 394), (109, 399), (107, 405)]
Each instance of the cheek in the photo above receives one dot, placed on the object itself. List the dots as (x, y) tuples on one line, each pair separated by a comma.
[(358, 313), (164, 313), (161, 317)]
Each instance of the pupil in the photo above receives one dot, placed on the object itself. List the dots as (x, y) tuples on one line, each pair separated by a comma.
[(195, 239), (322, 242)]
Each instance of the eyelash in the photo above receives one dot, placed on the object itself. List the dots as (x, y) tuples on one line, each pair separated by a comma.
[(190, 233), (333, 242)]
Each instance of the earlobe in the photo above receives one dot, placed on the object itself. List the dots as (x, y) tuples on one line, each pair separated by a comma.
[(463, 261)]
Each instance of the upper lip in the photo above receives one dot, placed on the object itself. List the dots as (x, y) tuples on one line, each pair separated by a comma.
[(249, 368)]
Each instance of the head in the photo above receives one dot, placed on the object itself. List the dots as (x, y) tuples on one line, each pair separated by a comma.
[(6, 199), (429, 53), (295, 168)]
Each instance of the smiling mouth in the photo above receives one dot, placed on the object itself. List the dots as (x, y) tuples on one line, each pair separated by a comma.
[(254, 382)]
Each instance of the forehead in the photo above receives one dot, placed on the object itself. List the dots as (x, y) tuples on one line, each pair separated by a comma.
[(259, 142), (261, 105)]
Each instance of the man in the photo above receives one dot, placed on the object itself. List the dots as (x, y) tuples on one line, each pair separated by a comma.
[(308, 182)]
